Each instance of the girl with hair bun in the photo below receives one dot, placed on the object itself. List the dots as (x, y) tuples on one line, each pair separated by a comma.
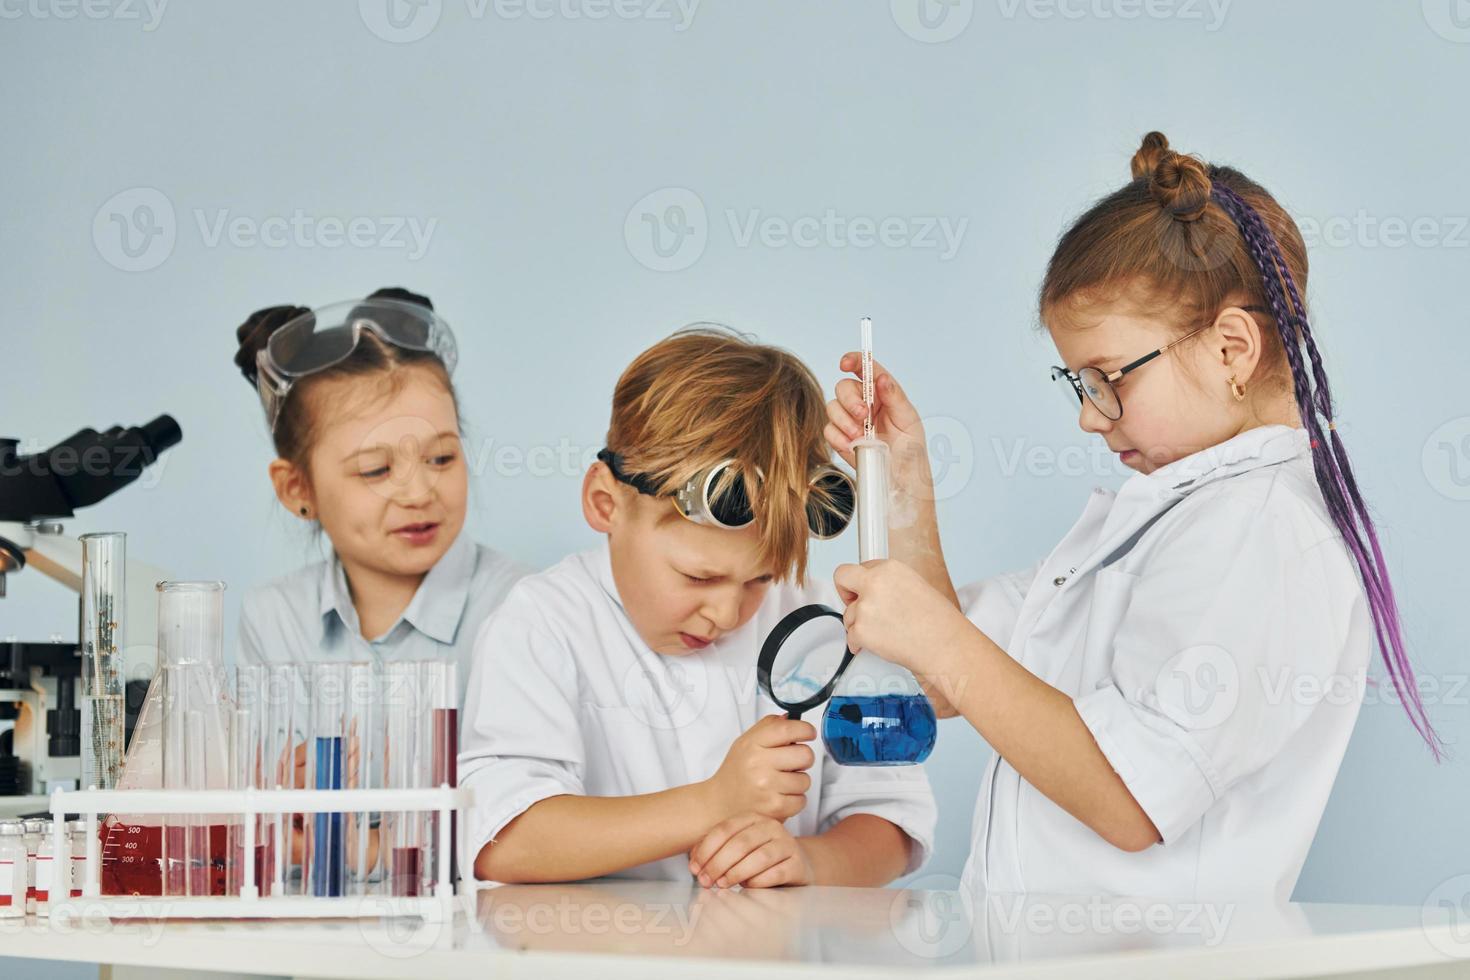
[(1170, 691), (366, 428)]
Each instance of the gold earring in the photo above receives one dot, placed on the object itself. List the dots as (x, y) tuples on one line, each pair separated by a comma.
[(1237, 390)]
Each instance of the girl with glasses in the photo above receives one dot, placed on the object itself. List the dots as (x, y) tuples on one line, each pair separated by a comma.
[(1170, 691)]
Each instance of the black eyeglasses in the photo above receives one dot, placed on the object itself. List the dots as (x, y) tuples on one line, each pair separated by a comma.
[(1097, 386)]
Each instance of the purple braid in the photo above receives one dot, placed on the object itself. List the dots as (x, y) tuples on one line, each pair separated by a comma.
[(1329, 458)]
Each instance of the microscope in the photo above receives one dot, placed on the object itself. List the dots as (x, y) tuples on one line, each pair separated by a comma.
[(40, 722)]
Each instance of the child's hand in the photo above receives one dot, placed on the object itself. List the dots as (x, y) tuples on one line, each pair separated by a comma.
[(750, 850), (763, 771), (894, 613), (895, 422)]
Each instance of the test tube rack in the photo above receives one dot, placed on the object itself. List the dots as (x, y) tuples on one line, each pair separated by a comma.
[(245, 804)]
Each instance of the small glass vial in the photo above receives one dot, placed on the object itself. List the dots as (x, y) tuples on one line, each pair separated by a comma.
[(76, 831), (33, 844), (13, 862), (45, 869)]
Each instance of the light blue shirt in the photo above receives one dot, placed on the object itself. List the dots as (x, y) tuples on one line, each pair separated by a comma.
[(308, 615)]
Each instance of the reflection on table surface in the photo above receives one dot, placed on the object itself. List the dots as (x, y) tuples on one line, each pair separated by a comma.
[(897, 927), (865, 932)]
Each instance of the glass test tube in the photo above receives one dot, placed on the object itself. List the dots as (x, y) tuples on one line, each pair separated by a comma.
[(261, 743), (175, 777), (284, 737), (363, 770), (872, 498), (441, 692), (13, 863), (196, 772), (104, 598), (76, 831), (408, 767), (326, 855)]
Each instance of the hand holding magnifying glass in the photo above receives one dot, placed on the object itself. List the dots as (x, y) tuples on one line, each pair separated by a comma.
[(764, 771)]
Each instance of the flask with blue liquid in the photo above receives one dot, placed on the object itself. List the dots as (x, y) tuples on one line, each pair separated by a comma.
[(876, 714)]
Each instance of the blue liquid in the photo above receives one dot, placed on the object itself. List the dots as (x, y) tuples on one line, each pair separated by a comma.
[(885, 730), (328, 858)]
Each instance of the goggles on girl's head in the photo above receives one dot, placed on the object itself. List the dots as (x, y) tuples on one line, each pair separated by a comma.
[(324, 338), (831, 496)]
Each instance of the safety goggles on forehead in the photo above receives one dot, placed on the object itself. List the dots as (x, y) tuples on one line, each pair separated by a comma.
[(324, 338), (716, 496)]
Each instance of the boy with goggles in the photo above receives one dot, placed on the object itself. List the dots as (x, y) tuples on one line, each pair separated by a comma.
[(613, 724), (717, 496)]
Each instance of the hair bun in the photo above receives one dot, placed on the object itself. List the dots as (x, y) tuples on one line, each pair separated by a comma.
[(403, 295), (256, 331), (1180, 183)]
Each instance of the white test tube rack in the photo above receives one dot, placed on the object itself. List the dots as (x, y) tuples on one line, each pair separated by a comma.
[(245, 804)]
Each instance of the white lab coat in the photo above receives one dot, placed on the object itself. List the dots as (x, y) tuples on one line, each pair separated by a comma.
[(1210, 624), (564, 697)]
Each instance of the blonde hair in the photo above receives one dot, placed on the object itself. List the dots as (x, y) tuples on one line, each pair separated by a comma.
[(707, 394)]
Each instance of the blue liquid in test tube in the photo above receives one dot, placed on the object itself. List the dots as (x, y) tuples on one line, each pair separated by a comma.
[(329, 855)]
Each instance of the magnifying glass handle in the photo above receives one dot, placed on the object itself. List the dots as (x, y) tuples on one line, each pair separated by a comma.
[(794, 714)]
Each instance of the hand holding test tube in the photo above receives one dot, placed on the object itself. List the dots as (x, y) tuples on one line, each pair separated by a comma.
[(894, 421), (912, 523)]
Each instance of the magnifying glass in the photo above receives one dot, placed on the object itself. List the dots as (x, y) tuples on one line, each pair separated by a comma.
[(803, 658)]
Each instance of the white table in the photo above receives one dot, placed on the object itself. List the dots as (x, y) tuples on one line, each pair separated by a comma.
[(614, 929)]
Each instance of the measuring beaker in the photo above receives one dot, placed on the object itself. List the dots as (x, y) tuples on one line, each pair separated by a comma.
[(190, 639)]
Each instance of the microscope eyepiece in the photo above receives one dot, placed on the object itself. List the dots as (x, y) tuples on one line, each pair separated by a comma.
[(81, 470)]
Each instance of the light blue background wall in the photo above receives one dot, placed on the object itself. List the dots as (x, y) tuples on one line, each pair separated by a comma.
[(527, 148)]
